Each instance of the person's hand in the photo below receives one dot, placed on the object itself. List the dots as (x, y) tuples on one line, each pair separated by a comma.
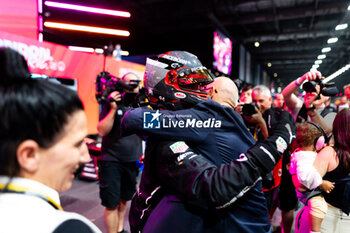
[(239, 108), (113, 98), (256, 118), (327, 186), (310, 76)]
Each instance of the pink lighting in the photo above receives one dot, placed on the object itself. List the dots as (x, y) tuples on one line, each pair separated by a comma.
[(83, 28), (88, 9), (40, 21)]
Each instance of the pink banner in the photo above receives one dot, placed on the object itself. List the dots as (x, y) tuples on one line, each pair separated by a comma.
[(58, 61)]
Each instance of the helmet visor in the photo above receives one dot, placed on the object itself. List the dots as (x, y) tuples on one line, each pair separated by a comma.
[(194, 80)]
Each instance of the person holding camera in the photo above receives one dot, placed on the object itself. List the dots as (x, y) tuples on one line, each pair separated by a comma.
[(313, 106), (117, 165), (277, 185), (262, 99)]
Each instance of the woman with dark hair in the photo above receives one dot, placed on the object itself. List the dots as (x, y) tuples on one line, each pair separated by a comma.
[(12, 64), (42, 131), (333, 163)]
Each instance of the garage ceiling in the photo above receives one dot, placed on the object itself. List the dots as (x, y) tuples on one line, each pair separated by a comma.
[(291, 32)]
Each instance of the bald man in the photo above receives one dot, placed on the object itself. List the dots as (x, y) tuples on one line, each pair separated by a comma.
[(224, 91), (211, 129)]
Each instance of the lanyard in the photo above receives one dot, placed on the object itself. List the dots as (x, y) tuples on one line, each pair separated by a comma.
[(10, 188)]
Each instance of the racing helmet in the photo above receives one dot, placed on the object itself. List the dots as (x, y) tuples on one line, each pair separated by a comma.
[(176, 77)]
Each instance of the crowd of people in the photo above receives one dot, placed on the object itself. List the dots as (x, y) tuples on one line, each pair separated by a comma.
[(218, 157)]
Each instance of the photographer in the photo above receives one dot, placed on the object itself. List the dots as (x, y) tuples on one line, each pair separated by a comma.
[(311, 109), (313, 106), (117, 166)]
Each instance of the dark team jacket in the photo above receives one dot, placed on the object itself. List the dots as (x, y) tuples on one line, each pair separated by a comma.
[(224, 199)]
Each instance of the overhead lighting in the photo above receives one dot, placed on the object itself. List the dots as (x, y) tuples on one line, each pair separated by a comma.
[(332, 40), (337, 73), (317, 62), (88, 9), (99, 51), (275, 75), (322, 56), (326, 50), (341, 26), (269, 64), (124, 53), (40, 37), (349, 8), (81, 49), (256, 44), (83, 28), (315, 67), (40, 6)]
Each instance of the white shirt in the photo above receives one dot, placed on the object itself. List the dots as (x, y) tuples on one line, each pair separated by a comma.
[(29, 213), (301, 164)]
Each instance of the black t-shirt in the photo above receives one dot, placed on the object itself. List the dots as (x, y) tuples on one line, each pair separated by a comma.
[(115, 147)]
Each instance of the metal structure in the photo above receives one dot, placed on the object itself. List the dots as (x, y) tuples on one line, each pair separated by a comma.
[(291, 33)]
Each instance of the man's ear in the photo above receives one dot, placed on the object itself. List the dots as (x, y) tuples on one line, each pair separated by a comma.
[(211, 92), (28, 156)]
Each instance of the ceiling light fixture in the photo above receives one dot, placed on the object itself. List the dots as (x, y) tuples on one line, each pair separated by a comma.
[(341, 26), (256, 44), (317, 62), (337, 73), (83, 28), (269, 64), (326, 50), (322, 56), (275, 75), (99, 51), (332, 40), (40, 6), (81, 49), (314, 67), (124, 53), (88, 9)]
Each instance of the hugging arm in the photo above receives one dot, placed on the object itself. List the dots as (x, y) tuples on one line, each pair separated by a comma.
[(191, 176)]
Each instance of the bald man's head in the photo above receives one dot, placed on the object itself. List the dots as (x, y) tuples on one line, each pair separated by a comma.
[(224, 91)]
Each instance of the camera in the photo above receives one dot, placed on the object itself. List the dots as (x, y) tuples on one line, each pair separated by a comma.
[(106, 83), (326, 89), (249, 109)]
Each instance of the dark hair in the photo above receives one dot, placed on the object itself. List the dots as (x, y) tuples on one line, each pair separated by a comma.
[(12, 65), (246, 87), (32, 109), (341, 133)]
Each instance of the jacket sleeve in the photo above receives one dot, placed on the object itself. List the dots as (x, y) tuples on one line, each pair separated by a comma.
[(133, 123), (192, 177)]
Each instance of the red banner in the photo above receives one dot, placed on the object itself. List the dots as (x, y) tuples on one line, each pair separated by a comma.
[(58, 61)]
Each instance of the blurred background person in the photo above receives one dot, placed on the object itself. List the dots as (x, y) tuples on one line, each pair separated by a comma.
[(278, 102), (246, 94), (119, 155), (347, 91), (344, 103)]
